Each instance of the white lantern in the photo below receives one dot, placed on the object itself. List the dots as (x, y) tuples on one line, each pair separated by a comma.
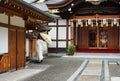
[(89, 21), (79, 22), (86, 24), (112, 24), (101, 24), (115, 21), (118, 24), (104, 21)]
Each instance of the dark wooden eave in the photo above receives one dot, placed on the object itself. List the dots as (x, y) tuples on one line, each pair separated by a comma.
[(81, 7), (87, 8), (40, 27), (22, 7), (60, 5)]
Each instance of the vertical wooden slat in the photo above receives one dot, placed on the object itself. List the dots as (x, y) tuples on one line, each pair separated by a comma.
[(72, 33), (30, 47), (67, 31), (32, 43), (57, 36), (113, 41), (20, 48), (12, 48), (97, 36), (74, 36), (83, 37)]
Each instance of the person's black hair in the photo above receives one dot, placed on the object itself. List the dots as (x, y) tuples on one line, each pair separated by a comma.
[(38, 37)]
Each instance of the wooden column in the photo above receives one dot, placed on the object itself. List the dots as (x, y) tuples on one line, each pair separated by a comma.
[(57, 36), (97, 36), (67, 32), (74, 22), (12, 48), (20, 48), (72, 32)]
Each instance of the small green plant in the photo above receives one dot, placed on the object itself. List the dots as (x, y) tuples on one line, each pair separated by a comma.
[(71, 49)]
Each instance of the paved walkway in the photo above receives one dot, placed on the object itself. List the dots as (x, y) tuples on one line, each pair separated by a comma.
[(92, 72), (99, 67), (53, 68), (80, 67), (114, 69)]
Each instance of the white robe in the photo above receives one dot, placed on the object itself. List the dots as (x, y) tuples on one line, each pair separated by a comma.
[(39, 49), (27, 47)]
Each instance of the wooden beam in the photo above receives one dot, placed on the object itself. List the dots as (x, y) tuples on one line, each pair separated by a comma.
[(55, 6)]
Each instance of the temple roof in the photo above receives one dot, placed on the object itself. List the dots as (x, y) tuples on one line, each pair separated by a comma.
[(24, 9), (34, 8), (68, 8)]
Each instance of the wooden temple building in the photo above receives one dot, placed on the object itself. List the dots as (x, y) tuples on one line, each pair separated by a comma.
[(16, 18), (91, 25)]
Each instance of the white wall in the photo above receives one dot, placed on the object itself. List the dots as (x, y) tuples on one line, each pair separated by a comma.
[(61, 33), (17, 21), (3, 40), (53, 44), (69, 33), (4, 18), (61, 44), (53, 32), (62, 22)]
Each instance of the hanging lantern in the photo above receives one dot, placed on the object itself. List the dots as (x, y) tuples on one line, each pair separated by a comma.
[(104, 21), (118, 24), (79, 21), (71, 23), (92, 24), (86, 24), (89, 21), (96, 24), (111, 23), (107, 23), (115, 21), (76, 23), (101, 24), (81, 24)]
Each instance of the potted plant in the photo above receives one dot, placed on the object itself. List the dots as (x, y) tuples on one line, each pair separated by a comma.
[(71, 49)]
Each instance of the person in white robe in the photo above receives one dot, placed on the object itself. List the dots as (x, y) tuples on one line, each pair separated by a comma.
[(39, 49)]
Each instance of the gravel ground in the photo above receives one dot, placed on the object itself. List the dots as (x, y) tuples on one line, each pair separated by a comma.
[(58, 69), (114, 69)]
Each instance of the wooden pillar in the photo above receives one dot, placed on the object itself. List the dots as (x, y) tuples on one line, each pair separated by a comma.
[(119, 38), (67, 32), (74, 30), (57, 36), (97, 36)]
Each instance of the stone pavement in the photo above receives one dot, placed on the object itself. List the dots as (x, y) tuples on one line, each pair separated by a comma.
[(92, 71), (80, 67), (99, 69), (53, 68)]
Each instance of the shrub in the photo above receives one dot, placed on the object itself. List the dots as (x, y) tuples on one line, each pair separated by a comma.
[(71, 49)]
